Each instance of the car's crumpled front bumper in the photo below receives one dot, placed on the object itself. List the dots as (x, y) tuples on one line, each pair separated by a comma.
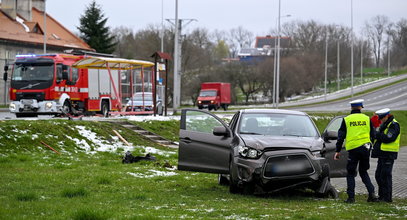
[(276, 170)]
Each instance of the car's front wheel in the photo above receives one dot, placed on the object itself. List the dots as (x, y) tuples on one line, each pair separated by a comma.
[(223, 179), (233, 187)]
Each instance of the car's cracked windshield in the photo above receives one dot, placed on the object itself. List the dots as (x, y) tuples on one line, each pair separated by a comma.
[(277, 125)]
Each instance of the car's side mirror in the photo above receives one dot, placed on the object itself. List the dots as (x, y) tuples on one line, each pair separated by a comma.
[(220, 131), (331, 135)]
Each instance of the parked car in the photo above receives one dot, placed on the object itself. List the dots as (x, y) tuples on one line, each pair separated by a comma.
[(261, 150), (144, 102)]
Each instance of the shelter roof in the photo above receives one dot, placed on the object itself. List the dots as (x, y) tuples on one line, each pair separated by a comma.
[(111, 63)]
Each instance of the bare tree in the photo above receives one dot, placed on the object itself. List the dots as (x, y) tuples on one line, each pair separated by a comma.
[(239, 38), (399, 43), (376, 29)]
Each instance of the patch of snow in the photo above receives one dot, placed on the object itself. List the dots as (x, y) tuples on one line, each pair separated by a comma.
[(21, 21), (316, 118), (34, 136), (153, 150), (19, 131), (152, 173), (152, 118)]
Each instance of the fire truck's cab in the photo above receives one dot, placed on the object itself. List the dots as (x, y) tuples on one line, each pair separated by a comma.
[(44, 84)]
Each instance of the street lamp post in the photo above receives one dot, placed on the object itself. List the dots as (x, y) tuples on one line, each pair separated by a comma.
[(388, 56), (275, 67), (351, 48), (278, 56), (361, 64)]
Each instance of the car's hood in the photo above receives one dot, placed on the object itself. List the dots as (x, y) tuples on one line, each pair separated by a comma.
[(139, 103), (262, 142)]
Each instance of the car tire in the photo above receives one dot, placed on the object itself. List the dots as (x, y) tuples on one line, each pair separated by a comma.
[(223, 180), (225, 107)]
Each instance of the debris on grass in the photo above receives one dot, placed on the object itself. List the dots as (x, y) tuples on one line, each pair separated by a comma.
[(42, 142)]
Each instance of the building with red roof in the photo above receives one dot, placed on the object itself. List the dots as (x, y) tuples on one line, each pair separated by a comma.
[(22, 29)]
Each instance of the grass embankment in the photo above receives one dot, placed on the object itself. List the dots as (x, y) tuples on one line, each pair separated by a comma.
[(85, 183)]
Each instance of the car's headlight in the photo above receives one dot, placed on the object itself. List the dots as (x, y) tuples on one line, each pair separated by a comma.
[(12, 106), (317, 154), (48, 105), (199, 102), (249, 152)]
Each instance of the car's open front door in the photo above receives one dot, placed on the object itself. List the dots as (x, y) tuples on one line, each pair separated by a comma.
[(199, 149), (337, 168)]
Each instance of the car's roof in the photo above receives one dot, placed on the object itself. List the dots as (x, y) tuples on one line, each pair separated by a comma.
[(276, 111)]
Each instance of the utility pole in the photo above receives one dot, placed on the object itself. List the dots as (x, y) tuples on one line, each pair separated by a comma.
[(177, 57), (162, 26), (45, 27), (177, 78), (351, 49), (278, 56)]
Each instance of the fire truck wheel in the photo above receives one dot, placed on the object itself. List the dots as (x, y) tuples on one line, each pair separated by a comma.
[(105, 109), (66, 109)]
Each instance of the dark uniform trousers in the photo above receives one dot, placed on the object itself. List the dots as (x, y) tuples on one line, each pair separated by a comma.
[(359, 156), (384, 178)]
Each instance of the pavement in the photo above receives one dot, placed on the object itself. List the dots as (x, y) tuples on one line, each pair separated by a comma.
[(399, 177)]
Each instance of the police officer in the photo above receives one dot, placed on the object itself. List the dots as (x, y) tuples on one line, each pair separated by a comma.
[(358, 132), (385, 148)]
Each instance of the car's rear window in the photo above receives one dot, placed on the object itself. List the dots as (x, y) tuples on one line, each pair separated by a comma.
[(277, 125)]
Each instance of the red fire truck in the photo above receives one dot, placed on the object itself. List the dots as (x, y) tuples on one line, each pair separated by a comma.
[(66, 84)]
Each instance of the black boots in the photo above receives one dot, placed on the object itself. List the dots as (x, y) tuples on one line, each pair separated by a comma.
[(372, 198), (350, 200)]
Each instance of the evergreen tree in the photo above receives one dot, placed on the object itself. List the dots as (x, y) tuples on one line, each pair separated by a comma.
[(93, 29)]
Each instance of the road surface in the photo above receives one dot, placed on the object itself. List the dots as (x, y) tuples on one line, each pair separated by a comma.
[(393, 97)]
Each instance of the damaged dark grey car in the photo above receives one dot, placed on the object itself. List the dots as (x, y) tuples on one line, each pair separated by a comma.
[(261, 150)]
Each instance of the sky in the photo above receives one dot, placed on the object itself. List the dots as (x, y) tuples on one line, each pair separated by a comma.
[(257, 16)]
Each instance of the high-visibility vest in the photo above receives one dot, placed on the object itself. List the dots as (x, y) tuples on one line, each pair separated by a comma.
[(357, 130), (392, 146)]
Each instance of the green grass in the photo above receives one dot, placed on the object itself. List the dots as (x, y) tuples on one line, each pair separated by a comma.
[(167, 129), (37, 183)]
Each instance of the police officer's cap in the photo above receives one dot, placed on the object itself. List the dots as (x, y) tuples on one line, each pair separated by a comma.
[(356, 103), (383, 112)]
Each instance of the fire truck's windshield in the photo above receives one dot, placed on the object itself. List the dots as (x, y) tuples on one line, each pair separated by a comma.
[(33, 72)]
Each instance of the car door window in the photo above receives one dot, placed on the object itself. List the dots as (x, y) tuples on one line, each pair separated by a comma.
[(334, 125), (200, 122)]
